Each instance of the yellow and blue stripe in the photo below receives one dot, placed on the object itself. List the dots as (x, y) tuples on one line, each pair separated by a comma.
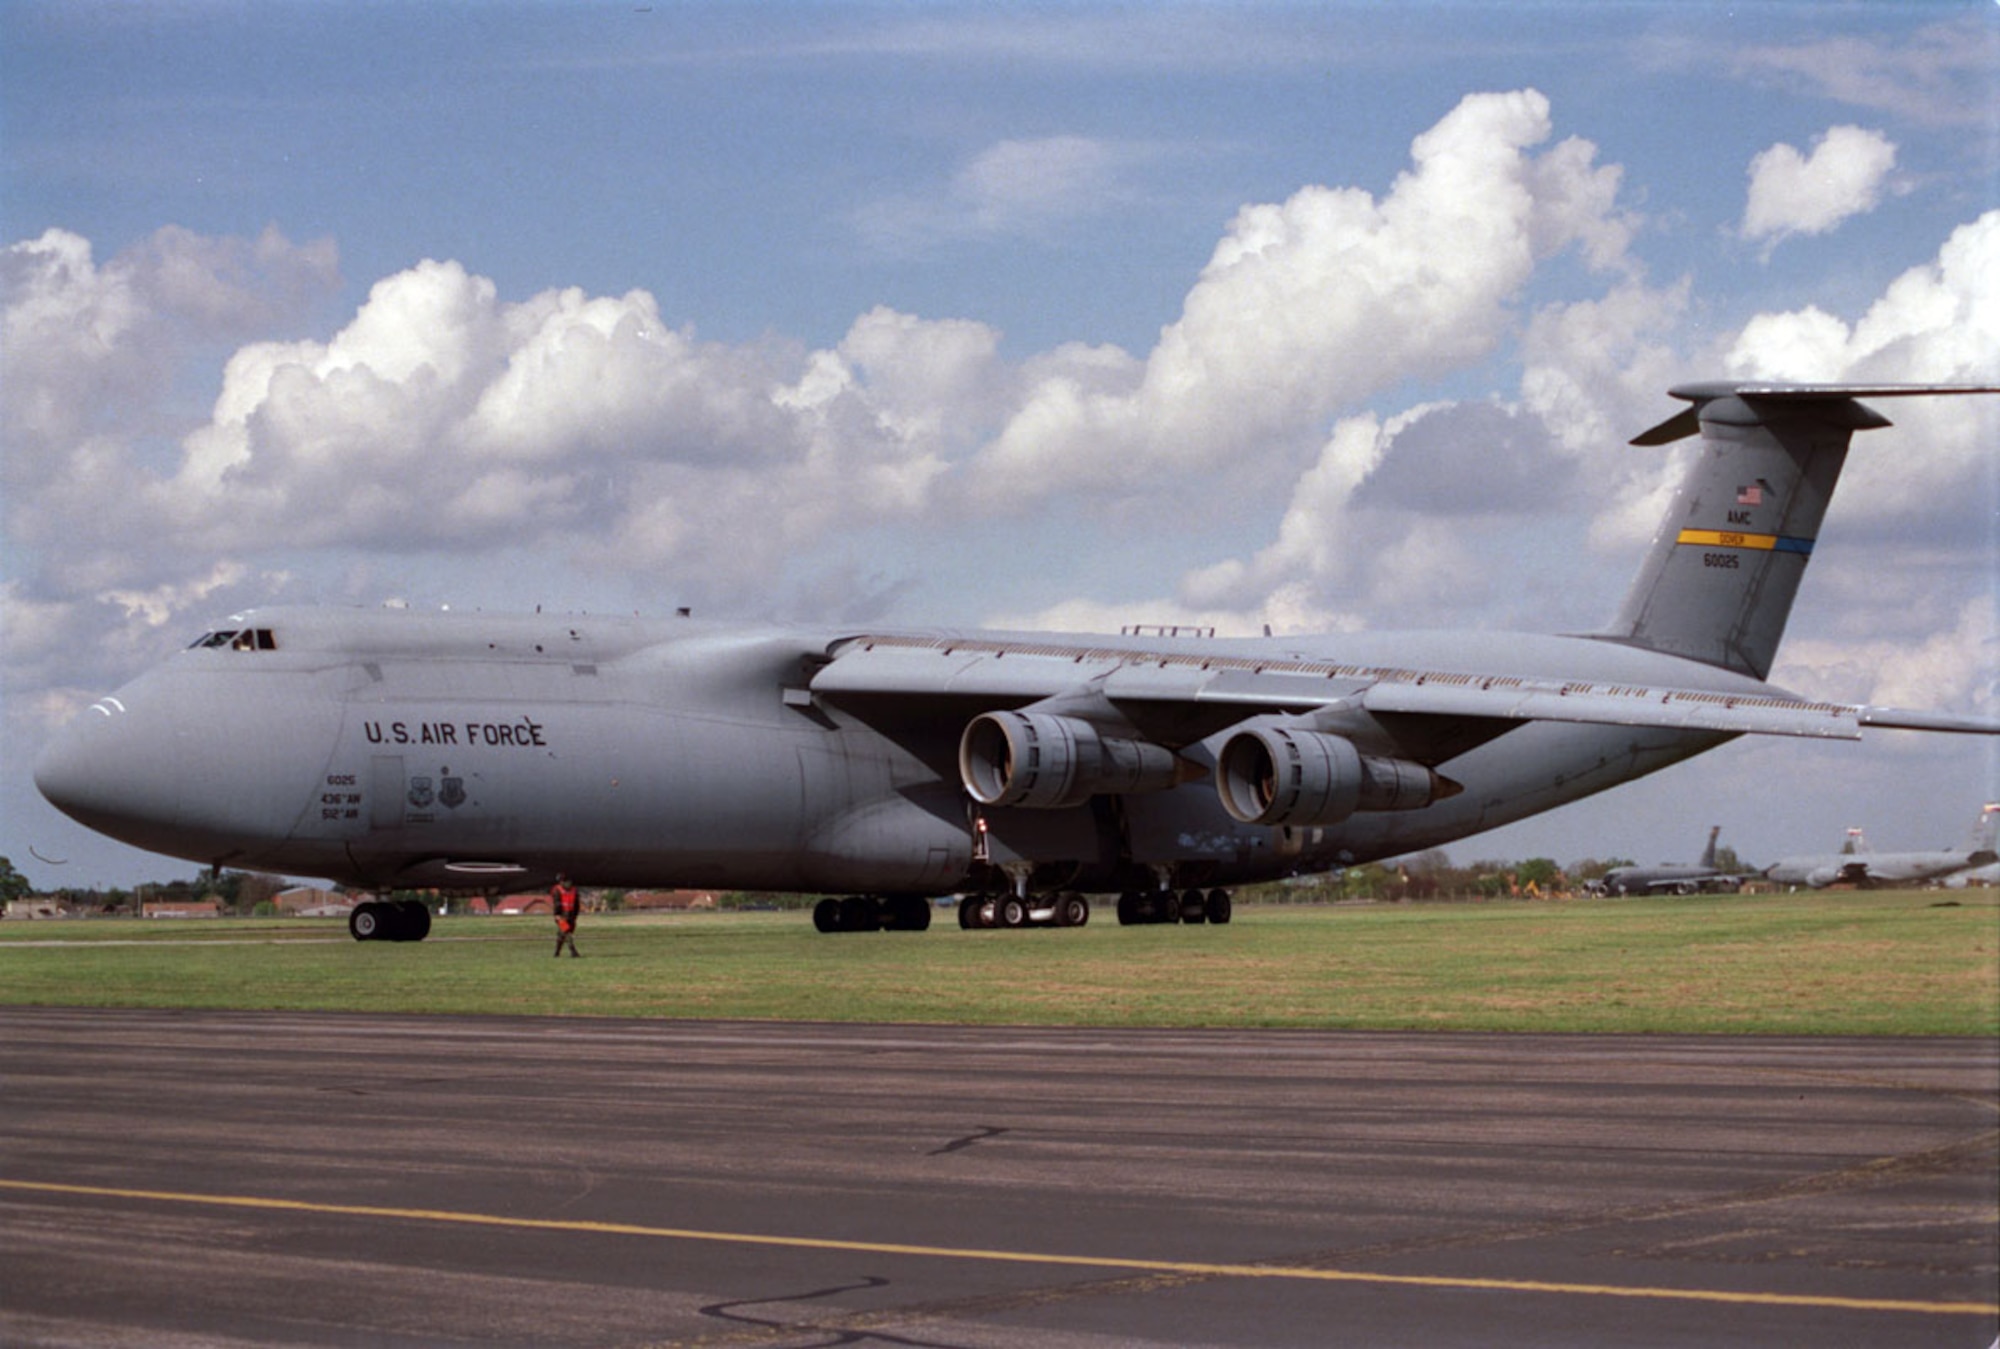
[(1763, 543)]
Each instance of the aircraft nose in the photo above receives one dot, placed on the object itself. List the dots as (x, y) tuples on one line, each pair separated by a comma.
[(194, 762), (94, 771)]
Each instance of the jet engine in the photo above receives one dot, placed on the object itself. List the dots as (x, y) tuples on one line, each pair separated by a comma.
[(1288, 775), (1043, 761)]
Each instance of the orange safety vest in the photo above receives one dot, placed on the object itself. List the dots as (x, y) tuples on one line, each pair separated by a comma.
[(563, 897)]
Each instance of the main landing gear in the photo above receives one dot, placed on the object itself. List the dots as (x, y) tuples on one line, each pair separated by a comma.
[(1169, 906), (389, 920), (872, 913), (1064, 909)]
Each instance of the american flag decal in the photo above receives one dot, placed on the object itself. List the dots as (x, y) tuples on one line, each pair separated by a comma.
[(1753, 495)]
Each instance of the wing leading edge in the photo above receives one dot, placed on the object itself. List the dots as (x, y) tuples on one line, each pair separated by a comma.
[(1207, 692)]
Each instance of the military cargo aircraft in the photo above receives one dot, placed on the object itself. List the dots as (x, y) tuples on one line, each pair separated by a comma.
[(1868, 870), (1023, 771), (1671, 878)]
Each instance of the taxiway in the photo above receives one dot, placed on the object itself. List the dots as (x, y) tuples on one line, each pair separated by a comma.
[(291, 1179)]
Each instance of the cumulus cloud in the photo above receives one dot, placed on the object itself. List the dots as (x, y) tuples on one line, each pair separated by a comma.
[(1471, 512), (1954, 667), (85, 348), (1793, 193), (1311, 304), (440, 416), (1938, 322), (439, 419), (443, 419)]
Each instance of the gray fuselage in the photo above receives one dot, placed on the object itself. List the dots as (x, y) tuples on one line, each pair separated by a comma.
[(391, 748)]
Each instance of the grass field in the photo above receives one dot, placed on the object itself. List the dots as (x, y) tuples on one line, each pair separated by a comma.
[(1881, 963)]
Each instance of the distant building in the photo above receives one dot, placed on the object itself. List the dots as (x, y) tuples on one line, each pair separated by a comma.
[(182, 908), (669, 900), (309, 901), (36, 906)]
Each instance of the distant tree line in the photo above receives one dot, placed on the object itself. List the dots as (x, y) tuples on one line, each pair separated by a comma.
[(236, 892), (1419, 876)]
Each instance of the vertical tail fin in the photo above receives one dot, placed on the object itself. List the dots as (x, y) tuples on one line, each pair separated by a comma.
[(1718, 583), (1708, 853), (1982, 832)]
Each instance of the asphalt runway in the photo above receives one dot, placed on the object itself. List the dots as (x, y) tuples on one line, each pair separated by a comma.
[(179, 1179)]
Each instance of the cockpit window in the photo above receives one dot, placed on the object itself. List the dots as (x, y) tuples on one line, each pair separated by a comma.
[(238, 639)]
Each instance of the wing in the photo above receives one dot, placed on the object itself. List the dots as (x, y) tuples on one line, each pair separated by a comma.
[(1175, 698)]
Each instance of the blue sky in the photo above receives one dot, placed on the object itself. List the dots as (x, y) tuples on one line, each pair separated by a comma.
[(1321, 316)]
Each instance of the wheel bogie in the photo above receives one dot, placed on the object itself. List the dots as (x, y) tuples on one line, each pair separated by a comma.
[(976, 912), (389, 920), (875, 913)]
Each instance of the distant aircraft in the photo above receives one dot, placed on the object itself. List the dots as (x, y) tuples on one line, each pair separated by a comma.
[(1025, 771), (1676, 878), (1866, 869)]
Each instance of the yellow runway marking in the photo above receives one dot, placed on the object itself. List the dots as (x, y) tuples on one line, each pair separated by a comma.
[(1193, 1267)]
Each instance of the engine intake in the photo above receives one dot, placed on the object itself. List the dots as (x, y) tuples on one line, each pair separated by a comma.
[(1287, 775), (1045, 762)]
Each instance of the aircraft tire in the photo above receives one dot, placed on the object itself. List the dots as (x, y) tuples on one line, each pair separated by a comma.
[(1012, 912), (1072, 910), (1128, 905), (916, 913), (968, 913), (1219, 906), (365, 922), (857, 913), (1194, 907), (391, 920), (413, 920), (826, 915)]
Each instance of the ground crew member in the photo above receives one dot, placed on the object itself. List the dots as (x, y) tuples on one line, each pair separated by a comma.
[(563, 901)]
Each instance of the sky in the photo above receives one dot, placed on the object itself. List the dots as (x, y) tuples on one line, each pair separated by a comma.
[(1327, 317)]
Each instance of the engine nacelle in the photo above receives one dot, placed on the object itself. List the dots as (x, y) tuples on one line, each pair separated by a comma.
[(1288, 775), (1044, 762)]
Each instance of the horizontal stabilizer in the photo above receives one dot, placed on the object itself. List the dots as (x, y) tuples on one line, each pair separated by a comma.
[(1680, 426), (1687, 421)]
